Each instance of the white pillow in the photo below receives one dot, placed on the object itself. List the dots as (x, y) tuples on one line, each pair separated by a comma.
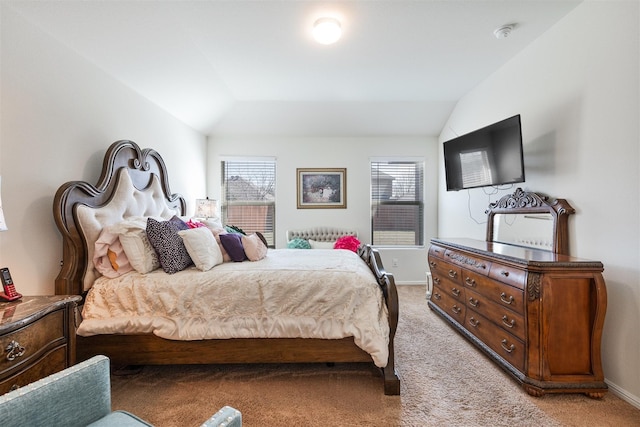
[(202, 247), (321, 245), (133, 237), (213, 222)]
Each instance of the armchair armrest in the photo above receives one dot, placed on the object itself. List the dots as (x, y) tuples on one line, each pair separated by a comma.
[(76, 396), (225, 417)]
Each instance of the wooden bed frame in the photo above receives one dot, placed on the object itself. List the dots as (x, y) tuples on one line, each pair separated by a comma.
[(148, 349)]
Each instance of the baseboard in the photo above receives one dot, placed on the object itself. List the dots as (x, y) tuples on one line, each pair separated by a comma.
[(411, 283), (623, 394)]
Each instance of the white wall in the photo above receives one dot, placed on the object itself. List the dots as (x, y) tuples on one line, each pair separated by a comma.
[(58, 115), (577, 89), (354, 155)]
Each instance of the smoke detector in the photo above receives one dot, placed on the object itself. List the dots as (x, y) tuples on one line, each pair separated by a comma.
[(504, 31)]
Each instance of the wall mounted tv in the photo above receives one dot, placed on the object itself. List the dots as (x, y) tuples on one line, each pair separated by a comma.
[(485, 157)]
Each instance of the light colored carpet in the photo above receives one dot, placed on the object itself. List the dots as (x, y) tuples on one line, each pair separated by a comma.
[(445, 381)]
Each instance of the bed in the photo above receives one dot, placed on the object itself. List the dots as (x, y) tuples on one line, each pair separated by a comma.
[(134, 184)]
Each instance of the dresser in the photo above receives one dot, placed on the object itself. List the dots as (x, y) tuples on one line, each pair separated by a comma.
[(37, 338), (537, 314)]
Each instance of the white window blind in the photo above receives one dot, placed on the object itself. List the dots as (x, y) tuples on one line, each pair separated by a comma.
[(248, 196), (397, 202)]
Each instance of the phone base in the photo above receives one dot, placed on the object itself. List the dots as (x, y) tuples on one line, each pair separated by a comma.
[(5, 297)]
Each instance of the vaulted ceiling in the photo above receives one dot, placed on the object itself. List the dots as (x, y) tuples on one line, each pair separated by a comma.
[(252, 67)]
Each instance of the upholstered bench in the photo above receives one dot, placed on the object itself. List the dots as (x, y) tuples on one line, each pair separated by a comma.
[(81, 396)]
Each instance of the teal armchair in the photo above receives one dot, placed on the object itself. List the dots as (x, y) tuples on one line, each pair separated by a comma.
[(81, 396)]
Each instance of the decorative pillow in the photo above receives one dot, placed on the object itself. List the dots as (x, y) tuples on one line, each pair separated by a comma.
[(264, 240), (347, 242), (202, 247), (109, 257), (212, 223), (321, 245), (232, 243), (216, 233), (165, 239), (192, 223), (132, 233), (234, 229), (298, 243), (254, 248)]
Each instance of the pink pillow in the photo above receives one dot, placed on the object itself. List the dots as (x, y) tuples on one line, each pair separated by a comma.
[(347, 242), (254, 247)]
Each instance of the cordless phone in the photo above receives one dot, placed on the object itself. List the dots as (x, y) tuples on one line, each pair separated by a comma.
[(10, 293)]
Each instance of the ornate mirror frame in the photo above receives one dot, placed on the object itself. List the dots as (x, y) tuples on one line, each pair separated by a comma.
[(524, 202)]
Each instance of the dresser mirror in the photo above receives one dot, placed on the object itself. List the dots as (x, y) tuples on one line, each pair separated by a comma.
[(530, 220)]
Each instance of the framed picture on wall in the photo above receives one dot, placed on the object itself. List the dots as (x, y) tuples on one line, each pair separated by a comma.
[(322, 188)]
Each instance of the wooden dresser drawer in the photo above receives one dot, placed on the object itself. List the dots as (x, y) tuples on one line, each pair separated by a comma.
[(500, 293), (504, 318), (452, 306), (30, 342), (437, 251), (503, 343), (509, 275), (469, 262), (442, 271), (49, 364)]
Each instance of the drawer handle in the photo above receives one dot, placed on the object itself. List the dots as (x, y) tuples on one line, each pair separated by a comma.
[(437, 296), (455, 291), (14, 350), (432, 264), (505, 273), (453, 274), (503, 298), (507, 323), (470, 282), (436, 280), (509, 349), (473, 322), (14, 387), (456, 309), (473, 302)]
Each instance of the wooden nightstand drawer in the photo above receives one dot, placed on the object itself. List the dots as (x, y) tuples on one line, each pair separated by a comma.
[(49, 364), (37, 338), (31, 341)]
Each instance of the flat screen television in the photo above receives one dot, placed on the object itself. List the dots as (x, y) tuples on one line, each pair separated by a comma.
[(489, 156)]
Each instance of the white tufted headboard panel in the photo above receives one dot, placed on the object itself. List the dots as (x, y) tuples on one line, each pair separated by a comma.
[(320, 234), (127, 202)]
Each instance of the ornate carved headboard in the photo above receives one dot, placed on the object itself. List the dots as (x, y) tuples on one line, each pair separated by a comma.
[(133, 182), (541, 224)]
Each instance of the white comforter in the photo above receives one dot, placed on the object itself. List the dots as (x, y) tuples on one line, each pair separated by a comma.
[(291, 293)]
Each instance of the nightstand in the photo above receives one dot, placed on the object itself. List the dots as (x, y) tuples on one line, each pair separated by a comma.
[(37, 338)]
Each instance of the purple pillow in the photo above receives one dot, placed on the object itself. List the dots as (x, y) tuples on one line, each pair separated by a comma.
[(232, 243)]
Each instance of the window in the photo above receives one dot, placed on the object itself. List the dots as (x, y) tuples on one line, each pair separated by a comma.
[(397, 202), (248, 195)]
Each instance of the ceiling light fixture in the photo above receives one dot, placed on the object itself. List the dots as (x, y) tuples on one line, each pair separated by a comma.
[(327, 30), (504, 31)]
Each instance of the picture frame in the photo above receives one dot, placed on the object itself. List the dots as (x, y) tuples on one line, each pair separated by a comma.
[(321, 188)]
